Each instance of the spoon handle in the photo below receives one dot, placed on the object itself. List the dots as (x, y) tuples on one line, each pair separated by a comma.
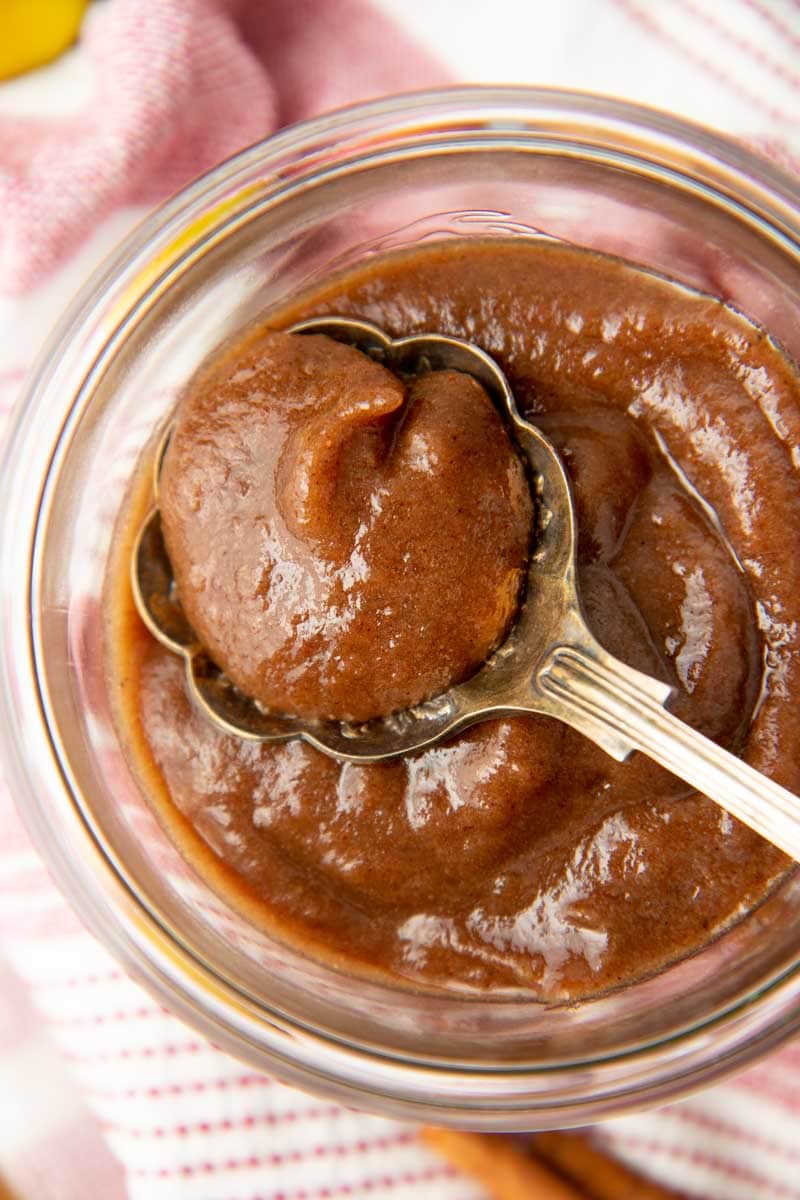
[(595, 689)]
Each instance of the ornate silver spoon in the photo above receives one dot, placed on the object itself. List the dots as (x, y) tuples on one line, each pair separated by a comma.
[(550, 663)]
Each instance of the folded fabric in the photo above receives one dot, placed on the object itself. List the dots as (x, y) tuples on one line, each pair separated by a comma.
[(179, 85)]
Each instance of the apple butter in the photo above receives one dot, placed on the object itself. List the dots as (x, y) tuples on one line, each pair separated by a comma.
[(347, 543), (307, 492)]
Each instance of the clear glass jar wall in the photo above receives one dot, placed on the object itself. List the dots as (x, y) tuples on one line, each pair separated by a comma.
[(454, 163)]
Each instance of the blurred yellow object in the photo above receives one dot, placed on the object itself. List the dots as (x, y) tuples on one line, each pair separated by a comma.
[(33, 32)]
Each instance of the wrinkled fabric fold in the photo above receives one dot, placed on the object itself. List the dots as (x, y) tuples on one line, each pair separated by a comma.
[(177, 86)]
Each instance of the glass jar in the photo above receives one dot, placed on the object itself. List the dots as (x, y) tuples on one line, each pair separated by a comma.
[(468, 162)]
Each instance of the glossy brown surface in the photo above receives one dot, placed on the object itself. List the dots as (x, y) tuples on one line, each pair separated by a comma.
[(519, 855), (317, 510)]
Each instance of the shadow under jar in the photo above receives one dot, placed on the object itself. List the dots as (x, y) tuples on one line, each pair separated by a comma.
[(536, 1042)]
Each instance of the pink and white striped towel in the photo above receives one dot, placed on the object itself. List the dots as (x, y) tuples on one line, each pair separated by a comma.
[(100, 1089)]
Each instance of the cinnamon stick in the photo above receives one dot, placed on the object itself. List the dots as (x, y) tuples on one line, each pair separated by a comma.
[(602, 1177), (506, 1171)]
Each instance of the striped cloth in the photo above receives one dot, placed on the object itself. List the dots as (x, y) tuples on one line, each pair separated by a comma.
[(100, 1089)]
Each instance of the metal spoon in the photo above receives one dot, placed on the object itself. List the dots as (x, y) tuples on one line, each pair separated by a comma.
[(550, 663)]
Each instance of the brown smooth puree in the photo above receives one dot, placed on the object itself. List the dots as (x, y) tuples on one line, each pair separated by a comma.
[(344, 545), (301, 476)]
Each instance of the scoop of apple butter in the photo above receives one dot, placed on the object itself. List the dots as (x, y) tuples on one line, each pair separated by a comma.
[(344, 543)]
